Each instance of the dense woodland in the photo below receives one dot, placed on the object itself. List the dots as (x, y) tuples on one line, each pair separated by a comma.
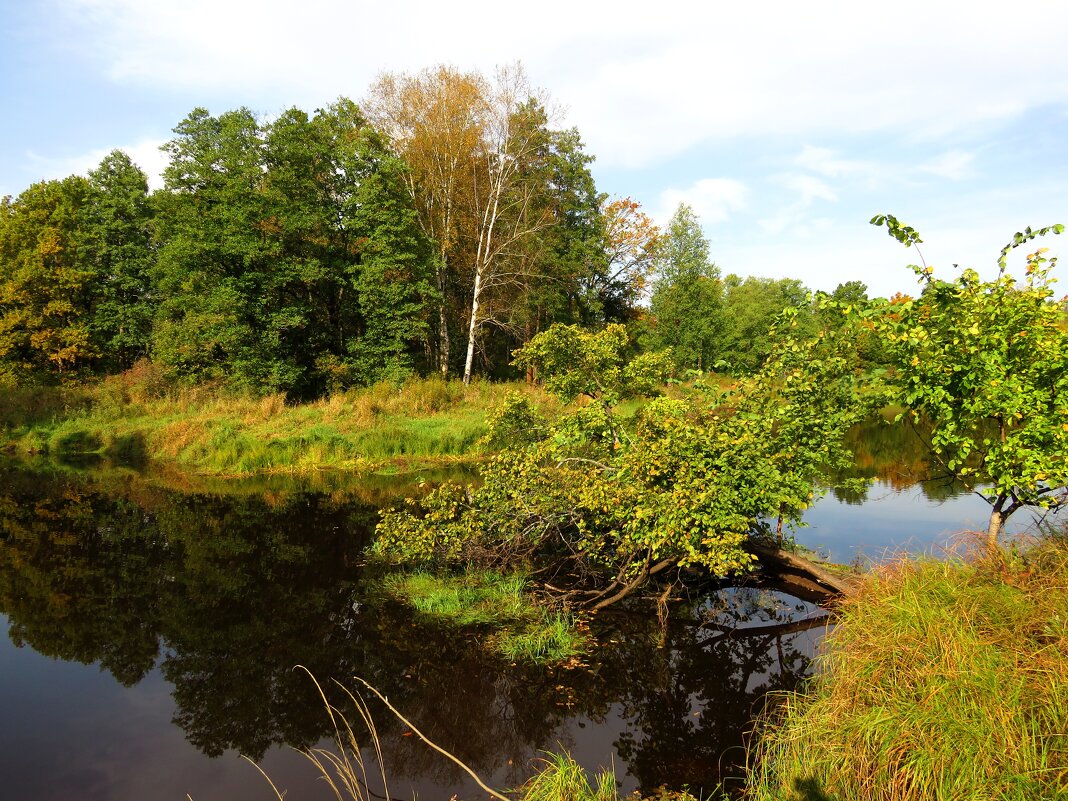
[(435, 227)]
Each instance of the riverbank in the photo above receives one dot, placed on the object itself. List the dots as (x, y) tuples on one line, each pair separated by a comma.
[(943, 679), (135, 418)]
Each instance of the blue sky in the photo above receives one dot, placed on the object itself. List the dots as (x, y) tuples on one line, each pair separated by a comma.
[(786, 125)]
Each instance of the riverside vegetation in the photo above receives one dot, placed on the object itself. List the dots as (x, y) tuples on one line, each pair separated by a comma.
[(213, 430), (967, 697), (282, 302), (943, 679), (597, 496)]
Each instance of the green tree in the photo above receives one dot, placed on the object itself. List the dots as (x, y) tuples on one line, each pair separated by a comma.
[(117, 234), (750, 309), (44, 283), (212, 322), (508, 200), (687, 299), (541, 280), (985, 364), (292, 257), (392, 272)]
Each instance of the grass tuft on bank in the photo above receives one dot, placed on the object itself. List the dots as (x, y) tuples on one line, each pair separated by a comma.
[(942, 680), (522, 630)]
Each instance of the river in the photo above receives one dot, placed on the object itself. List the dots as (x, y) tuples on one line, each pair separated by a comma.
[(155, 622)]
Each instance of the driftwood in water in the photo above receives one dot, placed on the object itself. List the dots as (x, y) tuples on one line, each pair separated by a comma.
[(802, 577)]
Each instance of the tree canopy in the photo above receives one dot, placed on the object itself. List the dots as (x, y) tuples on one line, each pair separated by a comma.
[(687, 301)]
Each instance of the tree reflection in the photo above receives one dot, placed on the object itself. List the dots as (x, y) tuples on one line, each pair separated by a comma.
[(689, 702), (227, 594), (898, 455)]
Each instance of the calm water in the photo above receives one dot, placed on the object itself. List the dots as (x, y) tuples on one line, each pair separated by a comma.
[(153, 634)]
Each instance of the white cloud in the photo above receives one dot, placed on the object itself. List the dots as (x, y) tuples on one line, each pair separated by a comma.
[(642, 85), (825, 161), (805, 191), (144, 153), (823, 253), (953, 165), (712, 199), (809, 189)]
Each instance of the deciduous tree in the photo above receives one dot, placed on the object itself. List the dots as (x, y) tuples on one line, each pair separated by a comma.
[(687, 296), (611, 504), (292, 256), (479, 151), (434, 119), (750, 308), (985, 364), (117, 248), (44, 283), (631, 244)]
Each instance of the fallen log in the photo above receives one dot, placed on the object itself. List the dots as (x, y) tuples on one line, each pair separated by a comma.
[(799, 573)]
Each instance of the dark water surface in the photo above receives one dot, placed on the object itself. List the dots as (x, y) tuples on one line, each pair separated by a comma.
[(154, 630)]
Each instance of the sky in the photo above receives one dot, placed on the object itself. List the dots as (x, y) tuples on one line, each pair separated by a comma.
[(785, 125)]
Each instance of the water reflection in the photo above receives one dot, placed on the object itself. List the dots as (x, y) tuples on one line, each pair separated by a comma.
[(213, 599), (909, 504)]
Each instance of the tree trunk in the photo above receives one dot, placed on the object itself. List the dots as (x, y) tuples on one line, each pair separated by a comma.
[(783, 562), (528, 334), (472, 327), (997, 522), (443, 340), (443, 320)]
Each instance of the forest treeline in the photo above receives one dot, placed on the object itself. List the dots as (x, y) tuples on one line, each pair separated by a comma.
[(435, 227)]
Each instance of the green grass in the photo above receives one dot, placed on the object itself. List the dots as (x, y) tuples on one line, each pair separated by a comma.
[(522, 629), (561, 778), (942, 680), (137, 416)]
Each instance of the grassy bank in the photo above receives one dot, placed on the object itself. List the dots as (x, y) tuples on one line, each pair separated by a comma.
[(943, 680), (135, 417)]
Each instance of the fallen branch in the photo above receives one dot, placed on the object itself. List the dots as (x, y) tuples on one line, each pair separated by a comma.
[(808, 571)]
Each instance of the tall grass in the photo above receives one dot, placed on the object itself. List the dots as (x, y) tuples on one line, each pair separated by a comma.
[(943, 680), (344, 768), (23, 407), (561, 778), (212, 430), (521, 628)]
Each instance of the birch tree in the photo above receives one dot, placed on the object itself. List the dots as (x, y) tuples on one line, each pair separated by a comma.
[(434, 120), (506, 210), (470, 143)]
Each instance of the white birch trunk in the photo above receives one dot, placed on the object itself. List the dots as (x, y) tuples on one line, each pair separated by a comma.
[(472, 328)]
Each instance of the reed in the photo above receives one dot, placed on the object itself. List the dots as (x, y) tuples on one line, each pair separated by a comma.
[(345, 770)]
